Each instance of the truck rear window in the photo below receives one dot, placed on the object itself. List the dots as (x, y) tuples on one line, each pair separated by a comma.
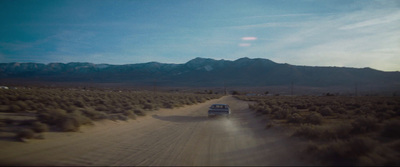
[(219, 106)]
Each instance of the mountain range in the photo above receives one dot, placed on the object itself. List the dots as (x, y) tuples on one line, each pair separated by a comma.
[(199, 72)]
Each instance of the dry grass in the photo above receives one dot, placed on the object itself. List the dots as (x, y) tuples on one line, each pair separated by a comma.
[(39, 127), (339, 130), (391, 129), (25, 134), (58, 109)]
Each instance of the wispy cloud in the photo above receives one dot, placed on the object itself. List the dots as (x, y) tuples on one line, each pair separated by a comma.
[(244, 44), (365, 38), (269, 24), (393, 17), (19, 45), (249, 38), (283, 15)]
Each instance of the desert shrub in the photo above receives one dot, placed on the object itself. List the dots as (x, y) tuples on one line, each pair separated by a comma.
[(188, 102), (52, 116), (122, 117), (193, 100), (350, 106), (25, 134), (258, 108), (126, 106), (294, 110), (380, 156), (39, 106), (73, 121), (139, 112), (93, 114), (4, 100), (295, 118), (27, 122), (63, 120), (52, 104), (386, 115), (149, 106), (313, 108), (15, 108), (342, 131), (79, 103), (391, 129), (353, 148), (334, 132), (70, 108), (168, 105), (281, 114), (101, 107), (13, 97), (301, 106), (69, 124), (364, 110), (364, 125), (129, 114), (116, 110), (39, 127), (252, 106), (341, 110), (313, 118), (382, 108), (309, 132), (275, 109), (4, 108), (200, 99), (343, 152), (22, 105), (177, 104), (80, 117), (118, 116), (326, 111), (264, 109)]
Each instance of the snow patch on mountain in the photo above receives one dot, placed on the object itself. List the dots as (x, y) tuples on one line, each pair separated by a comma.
[(208, 68)]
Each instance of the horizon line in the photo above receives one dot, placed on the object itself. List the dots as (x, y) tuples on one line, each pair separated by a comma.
[(200, 58)]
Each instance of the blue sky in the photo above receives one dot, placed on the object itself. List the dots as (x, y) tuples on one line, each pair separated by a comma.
[(361, 33)]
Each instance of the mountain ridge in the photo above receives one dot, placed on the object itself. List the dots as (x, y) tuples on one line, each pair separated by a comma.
[(199, 72), (197, 59)]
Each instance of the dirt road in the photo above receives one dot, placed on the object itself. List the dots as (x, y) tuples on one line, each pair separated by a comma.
[(183, 136)]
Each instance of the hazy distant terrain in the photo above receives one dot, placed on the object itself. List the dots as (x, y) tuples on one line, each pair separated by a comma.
[(201, 72)]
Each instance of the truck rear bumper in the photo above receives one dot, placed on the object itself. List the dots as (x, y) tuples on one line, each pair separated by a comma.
[(218, 114)]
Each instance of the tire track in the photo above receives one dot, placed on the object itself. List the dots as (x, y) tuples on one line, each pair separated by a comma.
[(178, 137)]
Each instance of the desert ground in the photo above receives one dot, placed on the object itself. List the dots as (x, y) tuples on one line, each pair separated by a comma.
[(182, 136)]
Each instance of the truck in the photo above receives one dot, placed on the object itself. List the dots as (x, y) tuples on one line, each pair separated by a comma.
[(219, 110)]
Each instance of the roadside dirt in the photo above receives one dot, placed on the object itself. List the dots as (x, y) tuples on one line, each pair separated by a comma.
[(171, 137)]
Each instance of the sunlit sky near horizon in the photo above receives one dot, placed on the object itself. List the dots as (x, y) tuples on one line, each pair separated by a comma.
[(343, 33)]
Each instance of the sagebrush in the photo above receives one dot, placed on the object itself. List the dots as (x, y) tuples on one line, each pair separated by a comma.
[(339, 130)]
